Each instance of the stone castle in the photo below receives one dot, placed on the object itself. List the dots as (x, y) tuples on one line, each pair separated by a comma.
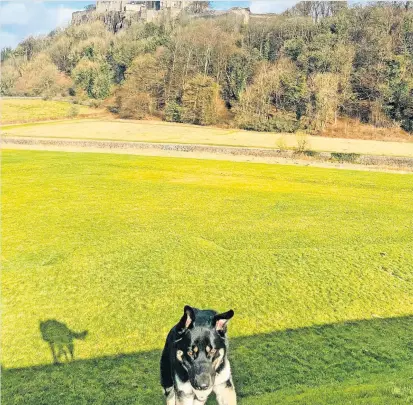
[(118, 14), (147, 9)]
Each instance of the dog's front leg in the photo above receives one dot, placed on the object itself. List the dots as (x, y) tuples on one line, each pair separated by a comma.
[(226, 393), (170, 396), (183, 398)]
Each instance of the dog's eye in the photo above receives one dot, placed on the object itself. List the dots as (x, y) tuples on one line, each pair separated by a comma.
[(190, 353)]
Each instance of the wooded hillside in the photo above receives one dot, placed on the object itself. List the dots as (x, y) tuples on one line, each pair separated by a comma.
[(299, 70)]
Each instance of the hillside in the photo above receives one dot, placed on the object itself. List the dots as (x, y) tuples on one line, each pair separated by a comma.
[(303, 70)]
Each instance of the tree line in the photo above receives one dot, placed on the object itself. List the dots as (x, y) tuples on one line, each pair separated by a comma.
[(302, 69)]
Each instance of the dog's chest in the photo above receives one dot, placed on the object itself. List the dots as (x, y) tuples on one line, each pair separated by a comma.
[(224, 375), (184, 387)]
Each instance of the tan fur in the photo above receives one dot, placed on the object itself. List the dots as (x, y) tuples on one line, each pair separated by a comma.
[(225, 395), (179, 355)]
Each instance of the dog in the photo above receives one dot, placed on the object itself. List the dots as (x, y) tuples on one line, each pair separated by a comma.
[(60, 337), (194, 360)]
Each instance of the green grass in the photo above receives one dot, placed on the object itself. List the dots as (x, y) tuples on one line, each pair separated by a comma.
[(367, 362), (118, 244), (28, 110)]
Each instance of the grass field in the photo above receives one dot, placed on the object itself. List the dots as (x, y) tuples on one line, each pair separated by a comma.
[(316, 263), (28, 110)]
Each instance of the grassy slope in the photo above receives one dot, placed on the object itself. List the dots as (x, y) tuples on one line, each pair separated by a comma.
[(118, 244), (26, 110)]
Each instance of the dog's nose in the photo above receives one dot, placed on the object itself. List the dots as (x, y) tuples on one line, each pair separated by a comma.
[(202, 382)]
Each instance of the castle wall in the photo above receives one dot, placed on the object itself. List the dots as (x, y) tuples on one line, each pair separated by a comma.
[(134, 7), (179, 4), (104, 6), (119, 14), (240, 14)]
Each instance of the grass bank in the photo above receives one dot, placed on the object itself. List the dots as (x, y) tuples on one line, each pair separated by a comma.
[(22, 110)]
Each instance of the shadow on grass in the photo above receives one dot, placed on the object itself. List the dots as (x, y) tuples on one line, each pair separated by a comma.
[(308, 357), (60, 339)]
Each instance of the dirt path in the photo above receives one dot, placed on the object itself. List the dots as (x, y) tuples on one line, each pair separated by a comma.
[(237, 154), (158, 131)]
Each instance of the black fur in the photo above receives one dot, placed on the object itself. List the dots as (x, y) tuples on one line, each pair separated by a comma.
[(195, 350)]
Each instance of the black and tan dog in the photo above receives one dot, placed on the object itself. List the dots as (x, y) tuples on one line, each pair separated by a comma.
[(194, 360)]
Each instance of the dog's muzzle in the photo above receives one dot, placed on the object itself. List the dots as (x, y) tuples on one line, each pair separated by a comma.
[(202, 386)]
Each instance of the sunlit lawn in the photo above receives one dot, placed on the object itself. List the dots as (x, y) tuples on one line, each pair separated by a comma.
[(28, 110), (118, 244)]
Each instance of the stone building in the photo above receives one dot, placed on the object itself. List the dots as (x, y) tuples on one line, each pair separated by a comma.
[(104, 6), (119, 14)]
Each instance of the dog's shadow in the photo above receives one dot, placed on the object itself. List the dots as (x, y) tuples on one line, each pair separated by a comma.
[(60, 339)]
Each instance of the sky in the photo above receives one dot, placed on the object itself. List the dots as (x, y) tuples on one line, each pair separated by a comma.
[(20, 19)]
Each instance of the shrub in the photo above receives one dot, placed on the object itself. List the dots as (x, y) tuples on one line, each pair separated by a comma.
[(9, 77), (41, 77), (303, 143), (274, 101), (173, 112), (60, 54), (145, 75), (201, 101), (281, 122), (95, 103), (325, 99), (294, 47), (81, 96), (94, 77), (281, 143), (131, 104), (73, 110)]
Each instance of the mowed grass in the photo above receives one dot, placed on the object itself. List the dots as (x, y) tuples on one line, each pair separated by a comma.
[(31, 110), (316, 263)]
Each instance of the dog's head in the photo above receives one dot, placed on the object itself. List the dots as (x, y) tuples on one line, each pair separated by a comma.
[(201, 346)]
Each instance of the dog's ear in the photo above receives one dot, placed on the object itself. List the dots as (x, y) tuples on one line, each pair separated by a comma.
[(187, 320), (220, 320)]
